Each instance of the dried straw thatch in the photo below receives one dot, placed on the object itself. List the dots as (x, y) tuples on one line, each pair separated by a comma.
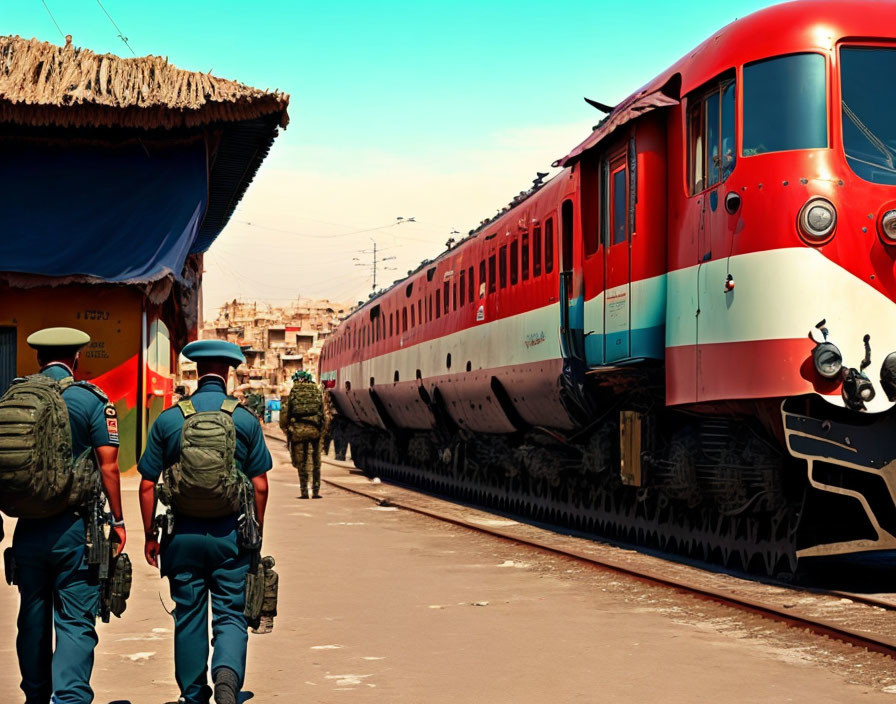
[(42, 84)]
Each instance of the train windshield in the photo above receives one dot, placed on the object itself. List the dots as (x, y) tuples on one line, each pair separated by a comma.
[(869, 130), (785, 104)]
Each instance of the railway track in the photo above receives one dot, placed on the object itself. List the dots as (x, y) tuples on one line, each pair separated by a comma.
[(863, 620)]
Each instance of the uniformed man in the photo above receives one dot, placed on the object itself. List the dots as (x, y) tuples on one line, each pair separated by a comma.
[(55, 583), (202, 558), (325, 436), (255, 403), (301, 418)]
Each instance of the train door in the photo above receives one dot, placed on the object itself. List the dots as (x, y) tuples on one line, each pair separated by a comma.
[(571, 299), (617, 258), (712, 146)]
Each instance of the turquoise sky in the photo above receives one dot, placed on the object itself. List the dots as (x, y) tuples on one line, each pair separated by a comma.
[(470, 98)]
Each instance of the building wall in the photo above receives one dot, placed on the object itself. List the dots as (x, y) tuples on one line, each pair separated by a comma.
[(282, 339), (112, 316)]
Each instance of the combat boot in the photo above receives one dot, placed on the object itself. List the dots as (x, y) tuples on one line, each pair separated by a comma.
[(304, 494), (227, 686)]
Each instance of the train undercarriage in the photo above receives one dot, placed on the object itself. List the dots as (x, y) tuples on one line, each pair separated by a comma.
[(714, 483)]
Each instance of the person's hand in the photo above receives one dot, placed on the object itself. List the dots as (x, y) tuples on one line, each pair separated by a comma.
[(151, 550), (119, 537)]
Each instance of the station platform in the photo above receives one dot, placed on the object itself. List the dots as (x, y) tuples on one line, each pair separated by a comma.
[(378, 604)]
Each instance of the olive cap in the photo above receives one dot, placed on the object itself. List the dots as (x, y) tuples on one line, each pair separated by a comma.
[(58, 337), (214, 349)]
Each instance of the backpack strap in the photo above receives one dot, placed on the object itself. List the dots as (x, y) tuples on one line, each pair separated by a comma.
[(229, 405), (92, 388), (186, 407), (65, 382)]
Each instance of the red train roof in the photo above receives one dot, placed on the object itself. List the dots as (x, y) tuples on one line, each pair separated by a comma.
[(800, 26)]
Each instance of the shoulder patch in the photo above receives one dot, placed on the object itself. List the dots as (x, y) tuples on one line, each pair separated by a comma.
[(111, 422)]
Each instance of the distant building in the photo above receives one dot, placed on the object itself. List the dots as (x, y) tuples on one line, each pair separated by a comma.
[(118, 174), (276, 341)]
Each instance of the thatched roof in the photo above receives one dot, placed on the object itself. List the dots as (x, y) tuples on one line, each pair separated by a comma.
[(43, 85)]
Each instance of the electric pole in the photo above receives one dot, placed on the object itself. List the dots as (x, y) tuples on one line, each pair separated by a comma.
[(375, 262)]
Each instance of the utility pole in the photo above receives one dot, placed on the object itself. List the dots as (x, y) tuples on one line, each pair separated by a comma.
[(375, 261)]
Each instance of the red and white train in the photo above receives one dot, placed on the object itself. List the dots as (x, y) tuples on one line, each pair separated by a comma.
[(688, 336)]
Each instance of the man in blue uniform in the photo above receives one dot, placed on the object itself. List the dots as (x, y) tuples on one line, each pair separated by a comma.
[(55, 583), (203, 557)]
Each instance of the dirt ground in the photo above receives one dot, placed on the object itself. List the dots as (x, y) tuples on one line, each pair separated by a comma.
[(382, 605)]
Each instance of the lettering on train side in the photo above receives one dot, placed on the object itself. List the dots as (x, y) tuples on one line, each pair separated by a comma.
[(534, 338)]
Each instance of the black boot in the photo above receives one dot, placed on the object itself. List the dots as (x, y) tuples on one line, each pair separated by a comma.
[(227, 686)]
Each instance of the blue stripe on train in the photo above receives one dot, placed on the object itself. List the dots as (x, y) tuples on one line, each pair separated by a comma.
[(645, 343)]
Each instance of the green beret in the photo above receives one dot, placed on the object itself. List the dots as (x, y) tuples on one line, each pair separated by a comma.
[(214, 349), (58, 337)]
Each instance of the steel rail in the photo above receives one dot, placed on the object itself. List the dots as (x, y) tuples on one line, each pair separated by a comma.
[(790, 617)]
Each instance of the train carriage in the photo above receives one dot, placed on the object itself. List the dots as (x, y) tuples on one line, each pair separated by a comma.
[(687, 336)]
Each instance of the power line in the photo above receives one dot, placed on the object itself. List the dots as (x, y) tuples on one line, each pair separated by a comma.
[(117, 28), (399, 221), (62, 34)]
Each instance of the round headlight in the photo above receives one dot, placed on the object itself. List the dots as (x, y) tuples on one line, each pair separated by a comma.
[(828, 360), (817, 220), (888, 225)]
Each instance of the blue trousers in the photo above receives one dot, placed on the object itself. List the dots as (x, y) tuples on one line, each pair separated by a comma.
[(55, 585), (203, 562)]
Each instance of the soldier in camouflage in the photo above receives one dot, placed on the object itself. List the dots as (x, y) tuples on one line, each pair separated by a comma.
[(302, 419), (255, 403)]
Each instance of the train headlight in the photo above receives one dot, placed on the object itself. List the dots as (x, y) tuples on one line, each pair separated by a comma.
[(817, 221), (827, 359), (888, 226)]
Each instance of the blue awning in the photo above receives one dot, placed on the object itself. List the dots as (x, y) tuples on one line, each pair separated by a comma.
[(129, 213)]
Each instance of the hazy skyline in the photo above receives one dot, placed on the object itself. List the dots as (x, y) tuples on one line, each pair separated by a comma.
[(441, 112)]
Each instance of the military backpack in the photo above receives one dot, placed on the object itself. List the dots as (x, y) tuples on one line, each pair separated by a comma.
[(39, 477), (206, 482)]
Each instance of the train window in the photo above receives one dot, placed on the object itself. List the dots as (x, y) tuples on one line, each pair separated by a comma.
[(420, 310), (869, 133), (463, 288), (618, 200), (429, 310), (391, 331), (711, 135), (729, 136), (454, 296), (470, 284), (549, 245), (438, 303), (536, 251), (566, 230), (447, 288), (412, 315), (482, 278), (514, 262), (711, 130), (695, 130), (502, 266), (785, 104), (404, 319), (491, 274), (524, 257)]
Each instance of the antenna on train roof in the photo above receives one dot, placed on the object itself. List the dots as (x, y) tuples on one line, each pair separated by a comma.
[(603, 107)]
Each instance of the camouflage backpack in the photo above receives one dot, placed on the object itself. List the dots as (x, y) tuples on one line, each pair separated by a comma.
[(305, 407), (39, 477), (206, 482)]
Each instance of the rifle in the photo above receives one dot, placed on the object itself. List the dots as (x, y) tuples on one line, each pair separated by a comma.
[(113, 572)]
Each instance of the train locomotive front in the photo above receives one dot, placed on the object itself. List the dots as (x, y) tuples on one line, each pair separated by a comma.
[(687, 337)]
